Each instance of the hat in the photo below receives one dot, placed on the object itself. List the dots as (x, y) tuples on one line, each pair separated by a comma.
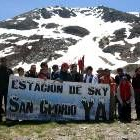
[(73, 65), (65, 65), (119, 70), (99, 69), (107, 70), (55, 66), (43, 64)]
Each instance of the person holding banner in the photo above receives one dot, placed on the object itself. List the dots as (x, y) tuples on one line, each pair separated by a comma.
[(76, 77), (55, 74), (64, 74), (44, 74), (107, 79), (5, 72), (100, 73), (89, 77), (20, 71), (32, 72)]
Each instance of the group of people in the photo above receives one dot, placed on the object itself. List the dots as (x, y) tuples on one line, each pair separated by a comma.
[(123, 87)]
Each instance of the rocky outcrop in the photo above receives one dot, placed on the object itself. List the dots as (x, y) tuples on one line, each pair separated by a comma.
[(45, 14), (26, 24), (113, 15), (76, 30), (50, 25), (103, 42), (119, 35), (64, 12), (135, 31), (45, 48)]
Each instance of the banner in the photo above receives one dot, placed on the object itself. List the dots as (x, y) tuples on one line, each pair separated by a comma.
[(36, 99)]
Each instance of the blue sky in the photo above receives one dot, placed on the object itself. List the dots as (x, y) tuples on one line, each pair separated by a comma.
[(11, 8)]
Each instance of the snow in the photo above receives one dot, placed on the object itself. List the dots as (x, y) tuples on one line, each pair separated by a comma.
[(118, 42), (135, 13), (133, 40), (132, 48), (117, 55), (6, 51), (12, 37), (22, 18), (91, 51), (30, 47), (22, 42), (85, 46)]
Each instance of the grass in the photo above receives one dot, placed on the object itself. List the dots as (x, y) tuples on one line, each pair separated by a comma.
[(69, 131)]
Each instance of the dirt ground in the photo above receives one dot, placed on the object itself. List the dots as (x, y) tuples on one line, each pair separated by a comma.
[(25, 130)]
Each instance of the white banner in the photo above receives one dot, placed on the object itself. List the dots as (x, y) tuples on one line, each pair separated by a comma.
[(36, 99)]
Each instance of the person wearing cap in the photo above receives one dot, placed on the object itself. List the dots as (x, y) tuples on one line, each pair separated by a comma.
[(89, 77), (76, 76), (55, 74), (107, 79), (64, 73), (5, 73), (32, 72), (136, 86), (125, 95), (100, 73)]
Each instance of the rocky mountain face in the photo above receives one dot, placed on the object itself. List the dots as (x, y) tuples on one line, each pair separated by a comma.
[(41, 34)]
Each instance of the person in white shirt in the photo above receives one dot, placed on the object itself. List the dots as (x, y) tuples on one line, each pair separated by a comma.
[(89, 77)]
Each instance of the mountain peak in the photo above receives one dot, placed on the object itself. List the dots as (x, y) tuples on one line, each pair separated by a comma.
[(59, 34)]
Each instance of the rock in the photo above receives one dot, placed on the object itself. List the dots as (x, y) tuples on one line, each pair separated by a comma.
[(50, 25), (120, 34), (26, 24), (45, 14), (64, 13), (135, 31), (112, 15), (76, 30)]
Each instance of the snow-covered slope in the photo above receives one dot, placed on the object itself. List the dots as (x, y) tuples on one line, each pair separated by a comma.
[(58, 35)]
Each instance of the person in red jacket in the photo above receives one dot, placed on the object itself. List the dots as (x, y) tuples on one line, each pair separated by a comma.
[(125, 94), (44, 74), (108, 79)]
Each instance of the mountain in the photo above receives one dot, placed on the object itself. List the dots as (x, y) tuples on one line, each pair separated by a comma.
[(107, 37)]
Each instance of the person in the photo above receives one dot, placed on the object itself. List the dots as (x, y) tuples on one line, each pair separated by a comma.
[(120, 74), (32, 72), (118, 78), (5, 73), (107, 79), (76, 77), (89, 77), (55, 74), (64, 73), (125, 95), (20, 71), (44, 74), (136, 86), (100, 73)]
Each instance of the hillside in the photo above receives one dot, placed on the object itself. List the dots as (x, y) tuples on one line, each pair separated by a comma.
[(107, 37)]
